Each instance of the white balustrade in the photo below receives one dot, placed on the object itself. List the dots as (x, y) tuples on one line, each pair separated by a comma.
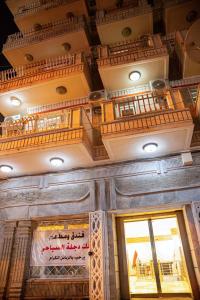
[(40, 67), (47, 31), (35, 6), (117, 15)]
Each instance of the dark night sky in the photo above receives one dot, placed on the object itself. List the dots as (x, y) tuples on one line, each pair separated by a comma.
[(7, 26)]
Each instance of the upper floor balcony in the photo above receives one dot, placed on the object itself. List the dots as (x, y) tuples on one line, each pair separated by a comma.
[(64, 77), (55, 38), (125, 23), (30, 142), (180, 14), (115, 128), (28, 13), (146, 125), (186, 46), (147, 58)]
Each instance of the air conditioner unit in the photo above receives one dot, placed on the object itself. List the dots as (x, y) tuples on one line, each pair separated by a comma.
[(98, 95), (159, 86)]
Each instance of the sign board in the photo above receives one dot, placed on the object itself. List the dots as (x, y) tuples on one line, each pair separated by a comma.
[(60, 248)]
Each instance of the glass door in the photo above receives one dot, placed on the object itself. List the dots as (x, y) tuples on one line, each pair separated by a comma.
[(170, 257), (155, 258), (139, 258)]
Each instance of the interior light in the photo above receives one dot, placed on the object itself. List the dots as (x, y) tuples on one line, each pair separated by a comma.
[(134, 76), (56, 161), (150, 147), (15, 101), (6, 168)]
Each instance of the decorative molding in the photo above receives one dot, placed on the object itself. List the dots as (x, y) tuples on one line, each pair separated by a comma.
[(99, 279), (5, 256), (70, 193), (113, 200), (20, 259)]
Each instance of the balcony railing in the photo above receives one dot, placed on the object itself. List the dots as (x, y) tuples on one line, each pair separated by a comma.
[(126, 51), (146, 122), (64, 126), (36, 6), (42, 70), (121, 14), (47, 31), (140, 104), (38, 123)]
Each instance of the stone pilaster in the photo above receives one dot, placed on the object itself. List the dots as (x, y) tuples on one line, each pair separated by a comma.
[(99, 276), (20, 260), (5, 255)]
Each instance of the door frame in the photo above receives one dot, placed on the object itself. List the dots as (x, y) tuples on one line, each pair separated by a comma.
[(123, 268)]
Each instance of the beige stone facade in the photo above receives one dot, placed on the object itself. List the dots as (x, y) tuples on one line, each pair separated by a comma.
[(94, 88)]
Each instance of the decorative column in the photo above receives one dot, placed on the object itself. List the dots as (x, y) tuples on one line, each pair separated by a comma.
[(99, 279), (5, 255), (20, 260)]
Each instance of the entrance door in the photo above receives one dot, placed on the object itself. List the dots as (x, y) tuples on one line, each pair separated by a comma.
[(155, 258)]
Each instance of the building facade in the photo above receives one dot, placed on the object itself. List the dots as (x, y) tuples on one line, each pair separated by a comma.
[(100, 151)]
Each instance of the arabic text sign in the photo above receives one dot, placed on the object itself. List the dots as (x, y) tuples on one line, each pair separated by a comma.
[(60, 248)]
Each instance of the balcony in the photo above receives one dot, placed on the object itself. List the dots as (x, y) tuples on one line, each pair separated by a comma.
[(28, 13), (189, 65), (133, 122), (48, 40), (29, 143), (180, 14), (147, 56), (54, 78), (124, 24)]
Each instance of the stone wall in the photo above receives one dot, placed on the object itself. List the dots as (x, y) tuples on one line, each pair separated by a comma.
[(131, 187)]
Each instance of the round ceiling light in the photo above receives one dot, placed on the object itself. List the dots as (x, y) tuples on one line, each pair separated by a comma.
[(66, 46), (28, 57), (37, 26), (56, 161), (134, 76), (61, 90), (150, 147), (15, 101), (126, 32), (6, 168)]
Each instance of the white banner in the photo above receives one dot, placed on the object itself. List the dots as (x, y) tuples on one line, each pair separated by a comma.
[(60, 248)]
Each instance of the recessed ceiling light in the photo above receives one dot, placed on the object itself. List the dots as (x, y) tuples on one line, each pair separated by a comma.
[(61, 90), (15, 101), (66, 46), (134, 76), (28, 57), (6, 168), (150, 147), (126, 31), (56, 161)]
